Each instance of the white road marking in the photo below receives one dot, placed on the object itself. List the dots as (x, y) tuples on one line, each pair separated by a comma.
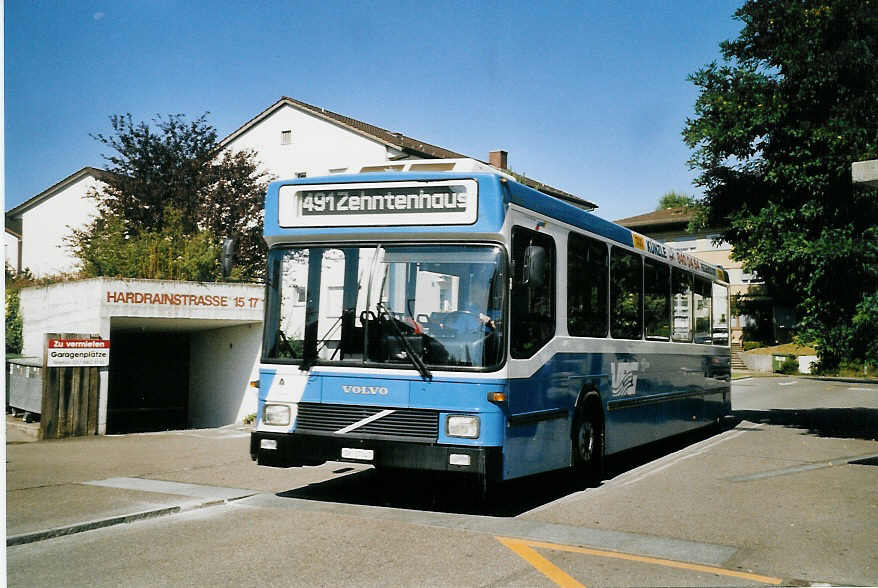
[(788, 383), (180, 488), (678, 457), (860, 389)]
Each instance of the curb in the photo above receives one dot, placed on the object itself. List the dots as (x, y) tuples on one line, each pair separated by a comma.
[(842, 379), (35, 536)]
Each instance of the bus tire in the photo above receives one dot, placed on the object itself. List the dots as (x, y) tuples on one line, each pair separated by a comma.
[(587, 444)]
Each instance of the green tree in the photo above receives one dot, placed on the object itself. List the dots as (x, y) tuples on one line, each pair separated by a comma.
[(168, 253), (778, 124), (174, 167), (675, 200)]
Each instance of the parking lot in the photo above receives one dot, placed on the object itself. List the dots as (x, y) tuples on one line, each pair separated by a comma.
[(786, 493)]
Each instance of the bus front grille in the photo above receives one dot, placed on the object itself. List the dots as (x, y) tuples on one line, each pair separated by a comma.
[(410, 423)]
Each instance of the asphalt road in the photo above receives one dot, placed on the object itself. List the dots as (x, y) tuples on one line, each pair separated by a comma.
[(786, 493)]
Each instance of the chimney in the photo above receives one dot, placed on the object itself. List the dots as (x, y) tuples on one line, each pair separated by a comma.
[(498, 159)]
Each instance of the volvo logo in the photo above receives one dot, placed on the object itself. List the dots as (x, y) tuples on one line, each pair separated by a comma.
[(374, 390)]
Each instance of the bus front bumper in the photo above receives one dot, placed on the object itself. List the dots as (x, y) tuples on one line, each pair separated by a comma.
[(297, 449)]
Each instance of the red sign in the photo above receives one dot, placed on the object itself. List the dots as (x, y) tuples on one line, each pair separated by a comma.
[(78, 352)]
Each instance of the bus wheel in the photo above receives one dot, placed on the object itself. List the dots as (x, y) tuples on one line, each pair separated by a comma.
[(587, 446)]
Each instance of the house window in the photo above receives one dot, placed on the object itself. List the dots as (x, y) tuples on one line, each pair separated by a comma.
[(301, 297), (286, 137)]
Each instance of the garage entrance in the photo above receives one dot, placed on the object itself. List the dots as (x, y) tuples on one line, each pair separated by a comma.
[(149, 382), (182, 354)]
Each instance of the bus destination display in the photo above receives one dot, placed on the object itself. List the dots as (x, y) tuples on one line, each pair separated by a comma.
[(379, 204)]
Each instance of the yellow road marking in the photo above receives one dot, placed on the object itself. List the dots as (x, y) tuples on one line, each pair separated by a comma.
[(650, 560), (544, 566)]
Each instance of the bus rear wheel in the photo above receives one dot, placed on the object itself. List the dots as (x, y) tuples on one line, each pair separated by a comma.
[(587, 450)]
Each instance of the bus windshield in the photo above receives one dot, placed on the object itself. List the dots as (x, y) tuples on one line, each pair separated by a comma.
[(402, 305)]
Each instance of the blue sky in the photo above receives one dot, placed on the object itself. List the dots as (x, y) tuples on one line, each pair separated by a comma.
[(586, 96)]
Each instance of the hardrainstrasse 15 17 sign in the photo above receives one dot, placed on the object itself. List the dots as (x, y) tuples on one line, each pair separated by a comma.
[(78, 352)]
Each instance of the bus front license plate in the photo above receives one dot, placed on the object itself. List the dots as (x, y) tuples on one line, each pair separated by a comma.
[(361, 454)]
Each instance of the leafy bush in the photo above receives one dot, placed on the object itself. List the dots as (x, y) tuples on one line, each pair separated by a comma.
[(865, 325), (14, 339), (848, 369), (790, 366), (169, 253), (750, 345)]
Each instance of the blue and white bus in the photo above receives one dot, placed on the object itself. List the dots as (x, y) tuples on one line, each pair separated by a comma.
[(461, 321)]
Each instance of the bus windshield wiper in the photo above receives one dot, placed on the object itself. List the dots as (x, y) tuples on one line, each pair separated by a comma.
[(414, 357)]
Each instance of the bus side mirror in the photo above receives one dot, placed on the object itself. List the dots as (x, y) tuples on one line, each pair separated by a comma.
[(227, 257), (534, 271)]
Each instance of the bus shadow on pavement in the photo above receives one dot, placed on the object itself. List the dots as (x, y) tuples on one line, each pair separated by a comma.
[(841, 423), (458, 494), (438, 492)]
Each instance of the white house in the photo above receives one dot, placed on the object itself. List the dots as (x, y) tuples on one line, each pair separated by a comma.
[(44, 221)]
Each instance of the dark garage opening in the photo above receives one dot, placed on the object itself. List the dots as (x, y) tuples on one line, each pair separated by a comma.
[(149, 382)]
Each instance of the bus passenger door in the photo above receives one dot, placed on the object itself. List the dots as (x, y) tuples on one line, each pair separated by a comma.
[(538, 435)]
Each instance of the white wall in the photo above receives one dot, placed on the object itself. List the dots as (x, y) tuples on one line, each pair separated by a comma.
[(316, 146), (61, 308), (10, 249), (223, 362), (45, 226)]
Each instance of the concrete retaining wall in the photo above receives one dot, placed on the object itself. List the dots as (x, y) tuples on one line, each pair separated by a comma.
[(756, 362), (764, 363)]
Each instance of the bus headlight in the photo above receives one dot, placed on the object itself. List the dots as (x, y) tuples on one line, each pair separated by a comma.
[(276, 415), (459, 425)]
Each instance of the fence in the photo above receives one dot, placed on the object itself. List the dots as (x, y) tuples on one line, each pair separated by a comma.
[(65, 398), (70, 402)]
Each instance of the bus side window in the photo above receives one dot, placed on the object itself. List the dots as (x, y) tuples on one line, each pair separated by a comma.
[(720, 315), (587, 292), (681, 288), (626, 302), (533, 300), (657, 300), (701, 307)]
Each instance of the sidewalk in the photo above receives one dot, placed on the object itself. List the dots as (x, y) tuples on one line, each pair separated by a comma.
[(65, 486), (18, 431)]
